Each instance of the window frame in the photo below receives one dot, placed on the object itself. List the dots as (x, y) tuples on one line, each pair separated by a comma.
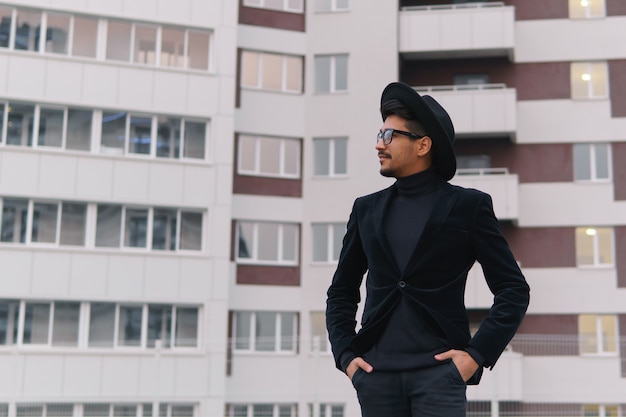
[(599, 339), (258, 152), (593, 232), (591, 94), (331, 245), (285, 8), (591, 163), (278, 336), (254, 258), (284, 76), (333, 73), (332, 156), (334, 8), (577, 10)]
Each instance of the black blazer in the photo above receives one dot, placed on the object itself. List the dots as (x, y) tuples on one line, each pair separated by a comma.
[(461, 229)]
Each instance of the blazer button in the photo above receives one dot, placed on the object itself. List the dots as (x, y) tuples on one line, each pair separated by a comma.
[(401, 284)]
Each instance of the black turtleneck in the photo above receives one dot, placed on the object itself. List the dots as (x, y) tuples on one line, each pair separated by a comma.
[(407, 213), (407, 342)]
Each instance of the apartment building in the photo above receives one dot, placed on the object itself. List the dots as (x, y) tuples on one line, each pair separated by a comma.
[(537, 93), (175, 179), (115, 199)]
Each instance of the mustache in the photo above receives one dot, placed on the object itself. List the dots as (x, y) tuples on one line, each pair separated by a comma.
[(386, 155)]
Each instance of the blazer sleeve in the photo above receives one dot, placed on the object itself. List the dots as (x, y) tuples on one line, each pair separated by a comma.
[(506, 282), (343, 295)]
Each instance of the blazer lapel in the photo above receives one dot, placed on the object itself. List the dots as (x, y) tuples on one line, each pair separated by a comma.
[(378, 211)]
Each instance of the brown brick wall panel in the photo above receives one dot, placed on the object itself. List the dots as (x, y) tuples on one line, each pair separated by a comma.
[(533, 81), (618, 149), (268, 275), (532, 163), (271, 18), (545, 330), (281, 187), (543, 247), (615, 7), (539, 9), (617, 86)]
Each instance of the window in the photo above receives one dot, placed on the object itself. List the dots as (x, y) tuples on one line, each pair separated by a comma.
[(296, 6), (592, 162), (172, 48), (331, 5), (27, 29), (42, 220), (144, 51), (198, 50), (267, 243), (85, 37), (319, 335), (261, 410), (470, 80), (65, 128), (165, 326), (43, 323), (331, 73), (118, 41), (44, 410), (57, 31), (327, 240), (265, 331), (330, 156), (164, 232), (589, 80), (266, 71), (584, 9), (328, 410), (473, 162), (598, 334), (269, 156), (175, 138), (6, 16), (594, 246), (597, 410), (176, 410)]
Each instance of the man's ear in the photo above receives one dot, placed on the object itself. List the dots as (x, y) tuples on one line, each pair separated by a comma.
[(424, 145)]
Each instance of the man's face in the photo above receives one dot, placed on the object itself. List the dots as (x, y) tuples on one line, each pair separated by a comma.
[(403, 156)]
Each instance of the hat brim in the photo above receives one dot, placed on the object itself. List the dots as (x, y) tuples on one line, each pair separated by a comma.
[(435, 120)]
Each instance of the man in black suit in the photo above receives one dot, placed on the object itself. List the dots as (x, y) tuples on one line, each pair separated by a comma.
[(417, 240)]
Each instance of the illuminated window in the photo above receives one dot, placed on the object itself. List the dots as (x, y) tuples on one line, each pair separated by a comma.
[(585, 9), (589, 80), (598, 334), (594, 246)]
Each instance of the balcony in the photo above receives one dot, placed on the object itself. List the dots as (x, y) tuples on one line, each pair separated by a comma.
[(485, 110), (457, 30), (497, 182)]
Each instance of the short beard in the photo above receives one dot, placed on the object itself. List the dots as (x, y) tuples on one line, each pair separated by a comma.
[(387, 172)]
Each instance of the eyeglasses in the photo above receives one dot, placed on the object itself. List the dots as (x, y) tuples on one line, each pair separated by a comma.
[(387, 134)]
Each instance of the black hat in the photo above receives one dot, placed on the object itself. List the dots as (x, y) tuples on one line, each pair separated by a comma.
[(434, 119)]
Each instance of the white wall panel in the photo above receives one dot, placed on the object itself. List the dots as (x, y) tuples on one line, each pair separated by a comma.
[(145, 8), (161, 277), (165, 183), (587, 204), (88, 275), (17, 267), (135, 88), (202, 92), (190, 378), (4, 65), (567, 121), (94, 178), (63, 81), (589, 290), (271, 40), (503, 189), (247, 207), (43, 376), (81, 375), (170, 95), (554, 40), (195, 279), (287, 115), (27, 75), (120, 376), (126, 275), (57, 175), (130, 179), (198, 186), (249, 384), (18, 173), (99, 85), (51, 274)]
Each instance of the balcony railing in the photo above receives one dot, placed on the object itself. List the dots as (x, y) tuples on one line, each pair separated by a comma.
[(459, 87), (476, 5)]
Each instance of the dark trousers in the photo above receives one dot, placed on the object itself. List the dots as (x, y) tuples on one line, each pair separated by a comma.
[(438, 391)]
